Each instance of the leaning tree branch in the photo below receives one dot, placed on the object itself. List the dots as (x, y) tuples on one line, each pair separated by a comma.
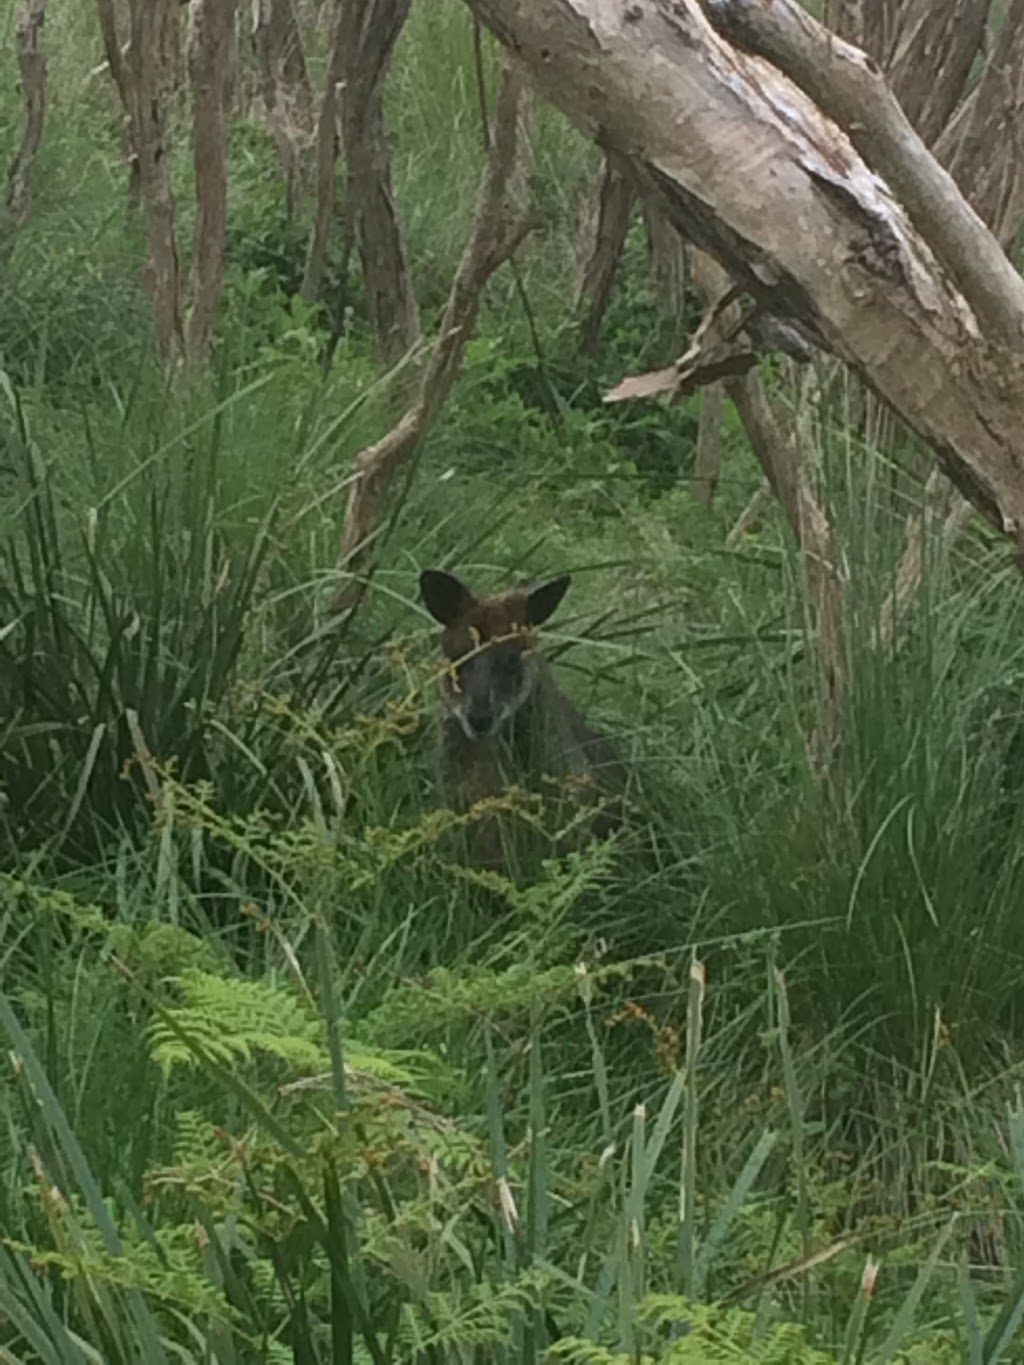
[(749, 169), (855, 94), (501, 222), (847, 87)]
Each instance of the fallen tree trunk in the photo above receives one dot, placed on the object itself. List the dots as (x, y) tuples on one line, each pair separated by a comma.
[(750, 169)]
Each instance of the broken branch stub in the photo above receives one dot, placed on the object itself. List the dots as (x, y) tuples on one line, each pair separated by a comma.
[(751, 170)]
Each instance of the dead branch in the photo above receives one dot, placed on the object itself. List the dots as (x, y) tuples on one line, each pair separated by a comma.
[(211, 37), (934, 46), (614, 212), (116, 54), (666, 255), (501, 221), (285, 88), (32, 71), (784, 467)]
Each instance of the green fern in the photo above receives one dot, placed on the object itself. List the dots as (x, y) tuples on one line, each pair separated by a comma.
[(230, 1019), (712, 1335)]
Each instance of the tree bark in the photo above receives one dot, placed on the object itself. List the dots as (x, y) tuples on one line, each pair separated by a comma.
[(32, 71), (369, 30), (615, 201), (326, 166), (161, 275), (768, 184), (707, 467), (287, 96), (212, 34), (982, 146), (501, 221)]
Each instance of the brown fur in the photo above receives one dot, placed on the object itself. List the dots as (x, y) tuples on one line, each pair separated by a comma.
[(506, 722)]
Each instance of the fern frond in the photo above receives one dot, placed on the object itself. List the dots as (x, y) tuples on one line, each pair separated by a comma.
[(230, 1019)]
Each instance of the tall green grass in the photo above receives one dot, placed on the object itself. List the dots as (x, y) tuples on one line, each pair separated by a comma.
[(288, 1082)]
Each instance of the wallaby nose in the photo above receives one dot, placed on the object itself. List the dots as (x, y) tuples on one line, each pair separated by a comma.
[(480, 720)]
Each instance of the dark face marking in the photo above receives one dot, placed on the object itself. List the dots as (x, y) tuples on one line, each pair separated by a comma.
[(487, 643)]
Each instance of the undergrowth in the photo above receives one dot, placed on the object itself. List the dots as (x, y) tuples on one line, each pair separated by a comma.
[(289, 1080)]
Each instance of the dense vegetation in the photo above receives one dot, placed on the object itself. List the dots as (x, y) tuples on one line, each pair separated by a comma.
[(287, 1081)]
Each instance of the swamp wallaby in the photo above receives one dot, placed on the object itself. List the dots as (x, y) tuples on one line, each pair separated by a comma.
[(505, 719)]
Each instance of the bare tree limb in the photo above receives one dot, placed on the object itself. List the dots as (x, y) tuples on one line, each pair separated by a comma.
[(666, 253), (501, 221), (853, 93), (934, 45), (32, 71), (782, 451), (784, 467), (121, 76), (212, 34)]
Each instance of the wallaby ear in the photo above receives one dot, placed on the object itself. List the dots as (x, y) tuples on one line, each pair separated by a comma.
[(446, 597), (542, 601)]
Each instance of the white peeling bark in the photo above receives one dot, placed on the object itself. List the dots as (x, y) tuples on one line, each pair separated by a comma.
[(751, 170)]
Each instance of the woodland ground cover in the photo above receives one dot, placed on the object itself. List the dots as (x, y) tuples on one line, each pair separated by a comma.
[(285, 1082)]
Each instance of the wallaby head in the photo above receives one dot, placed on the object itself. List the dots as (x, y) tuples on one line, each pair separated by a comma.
[(488, 642)]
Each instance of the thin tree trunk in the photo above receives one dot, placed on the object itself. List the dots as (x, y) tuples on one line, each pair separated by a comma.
[(616, 198), (708, 464), (666, 253), (32, 71), (501, 221), (370, 31), (161, 276), (121, 77), (213, 29), (286, 92), (327, 148)]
